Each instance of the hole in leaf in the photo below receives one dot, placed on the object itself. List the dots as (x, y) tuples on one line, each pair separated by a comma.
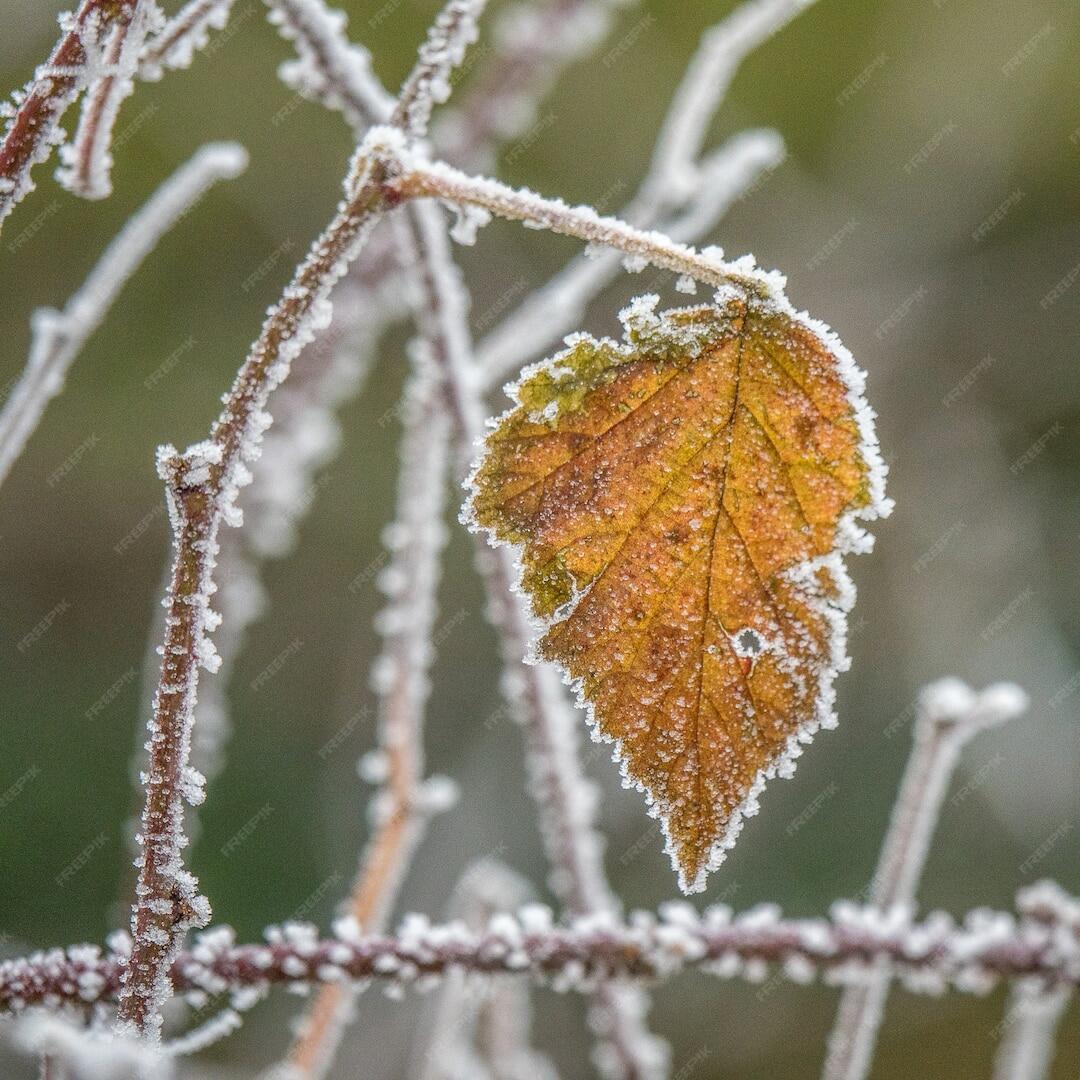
[(748, 643)]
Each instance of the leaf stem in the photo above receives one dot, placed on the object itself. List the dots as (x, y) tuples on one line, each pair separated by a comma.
[(414, 177)]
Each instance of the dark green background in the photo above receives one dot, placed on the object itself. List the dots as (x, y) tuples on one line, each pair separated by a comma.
[(1010, 536)]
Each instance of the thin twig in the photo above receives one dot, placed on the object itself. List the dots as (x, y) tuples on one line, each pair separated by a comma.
[(86, 162), (305, 437), (928, 956), (414, 177), (329, 68), (950, 715), (401, 682), (34, 129), (58, 336), (428, 84), (186, 32), (674, 172), (564, 797), (201, 486), (1030, 1027)]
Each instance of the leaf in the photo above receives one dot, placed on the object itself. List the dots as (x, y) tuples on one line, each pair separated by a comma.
[(681, 503)]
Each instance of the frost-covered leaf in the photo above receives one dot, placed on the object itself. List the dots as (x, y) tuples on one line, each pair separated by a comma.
[(681, 503)]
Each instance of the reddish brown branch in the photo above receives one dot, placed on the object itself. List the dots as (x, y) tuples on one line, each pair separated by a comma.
[(201, 485), (851, 945), (32, 131)]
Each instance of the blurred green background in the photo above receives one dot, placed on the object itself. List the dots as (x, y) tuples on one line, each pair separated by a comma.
[(975, 574)]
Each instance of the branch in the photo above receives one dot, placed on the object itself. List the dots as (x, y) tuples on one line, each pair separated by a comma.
[(329, 68), (58, 336), (400, 679), (304, 438), (201, 486), (928, 955), (34, 125), (428, 83), (86, 162), (187, 31), (414, 177), (674, 172), (950, 715)]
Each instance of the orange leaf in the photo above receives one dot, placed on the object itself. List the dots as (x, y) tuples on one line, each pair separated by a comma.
[(681, 503)]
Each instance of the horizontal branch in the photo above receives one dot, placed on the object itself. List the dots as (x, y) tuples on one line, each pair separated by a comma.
[(416, 177), (1042, 942)]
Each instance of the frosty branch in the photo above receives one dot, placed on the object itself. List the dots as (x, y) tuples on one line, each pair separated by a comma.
[(104, 45), (927, 956), (202, 484)]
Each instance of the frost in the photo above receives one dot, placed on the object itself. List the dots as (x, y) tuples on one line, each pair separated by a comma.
[(374, 767), (450, 35), (182, 36), (112, 62), (467, 221), (437, 795), (89, 1053), (193, 786)]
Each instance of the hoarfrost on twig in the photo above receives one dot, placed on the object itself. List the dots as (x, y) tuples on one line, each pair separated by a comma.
[(202, 485), (86, 162), (428, 83), (846, 948), (416, 177), (532, 44), (174, 47), (328, 67), (33, 126)]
